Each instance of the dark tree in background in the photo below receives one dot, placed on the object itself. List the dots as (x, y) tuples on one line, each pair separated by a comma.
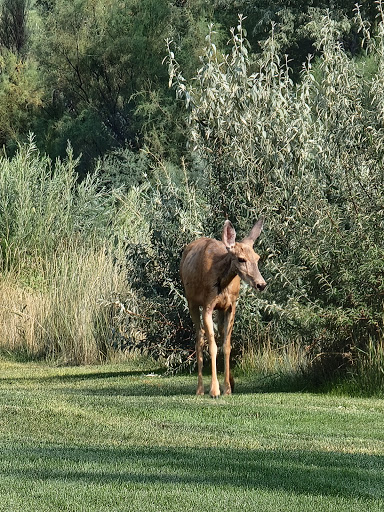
[(13, 24)]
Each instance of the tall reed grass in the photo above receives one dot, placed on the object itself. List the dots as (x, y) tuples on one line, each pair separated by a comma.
[(57, 262), (65, 318)]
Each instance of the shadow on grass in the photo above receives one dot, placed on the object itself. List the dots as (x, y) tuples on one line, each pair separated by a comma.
[(128, 382), (70, 377), (156, 383), (278, 383), (159, 385), (299, 472), (141, 383)]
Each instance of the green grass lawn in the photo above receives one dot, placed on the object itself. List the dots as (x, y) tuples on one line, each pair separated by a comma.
[(115, 438)]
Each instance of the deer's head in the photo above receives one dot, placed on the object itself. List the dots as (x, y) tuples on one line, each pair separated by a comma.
[(244, 260)]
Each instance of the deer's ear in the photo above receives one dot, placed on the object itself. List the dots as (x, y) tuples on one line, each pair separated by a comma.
[(255, 232), (229, 234)]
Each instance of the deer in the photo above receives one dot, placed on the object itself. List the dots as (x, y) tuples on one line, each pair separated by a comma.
[(211, 272)]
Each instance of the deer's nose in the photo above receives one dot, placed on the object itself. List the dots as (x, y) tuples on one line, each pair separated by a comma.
[(261, 286)]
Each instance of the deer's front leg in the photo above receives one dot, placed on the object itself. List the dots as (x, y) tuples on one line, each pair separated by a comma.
[(208, 324)]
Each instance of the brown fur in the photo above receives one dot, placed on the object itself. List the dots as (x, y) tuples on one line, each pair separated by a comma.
[(211, 272)]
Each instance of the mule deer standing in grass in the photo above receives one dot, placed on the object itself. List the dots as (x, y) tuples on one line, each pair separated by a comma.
[(211, 271)]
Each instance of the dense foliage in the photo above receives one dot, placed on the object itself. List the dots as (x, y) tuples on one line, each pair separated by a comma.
[(91, 71), (309, 156), (301, 144)]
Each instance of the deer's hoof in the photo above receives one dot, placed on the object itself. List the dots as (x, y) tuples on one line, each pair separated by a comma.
[(215, 389)]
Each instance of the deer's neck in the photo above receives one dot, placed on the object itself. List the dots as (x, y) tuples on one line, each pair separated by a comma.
[(226, 273)]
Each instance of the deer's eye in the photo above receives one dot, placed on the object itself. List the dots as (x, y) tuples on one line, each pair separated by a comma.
[(241, 260)]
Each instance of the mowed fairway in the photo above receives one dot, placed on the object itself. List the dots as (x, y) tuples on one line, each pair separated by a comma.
[(113, 438)]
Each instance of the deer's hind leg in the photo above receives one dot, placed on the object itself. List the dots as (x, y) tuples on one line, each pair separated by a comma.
[(228, 318), (208, 325), (222, 328), (195, 315)]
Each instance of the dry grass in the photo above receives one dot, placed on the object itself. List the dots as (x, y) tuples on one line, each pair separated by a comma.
[(20, 314), (63, 317), (276, 362)]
